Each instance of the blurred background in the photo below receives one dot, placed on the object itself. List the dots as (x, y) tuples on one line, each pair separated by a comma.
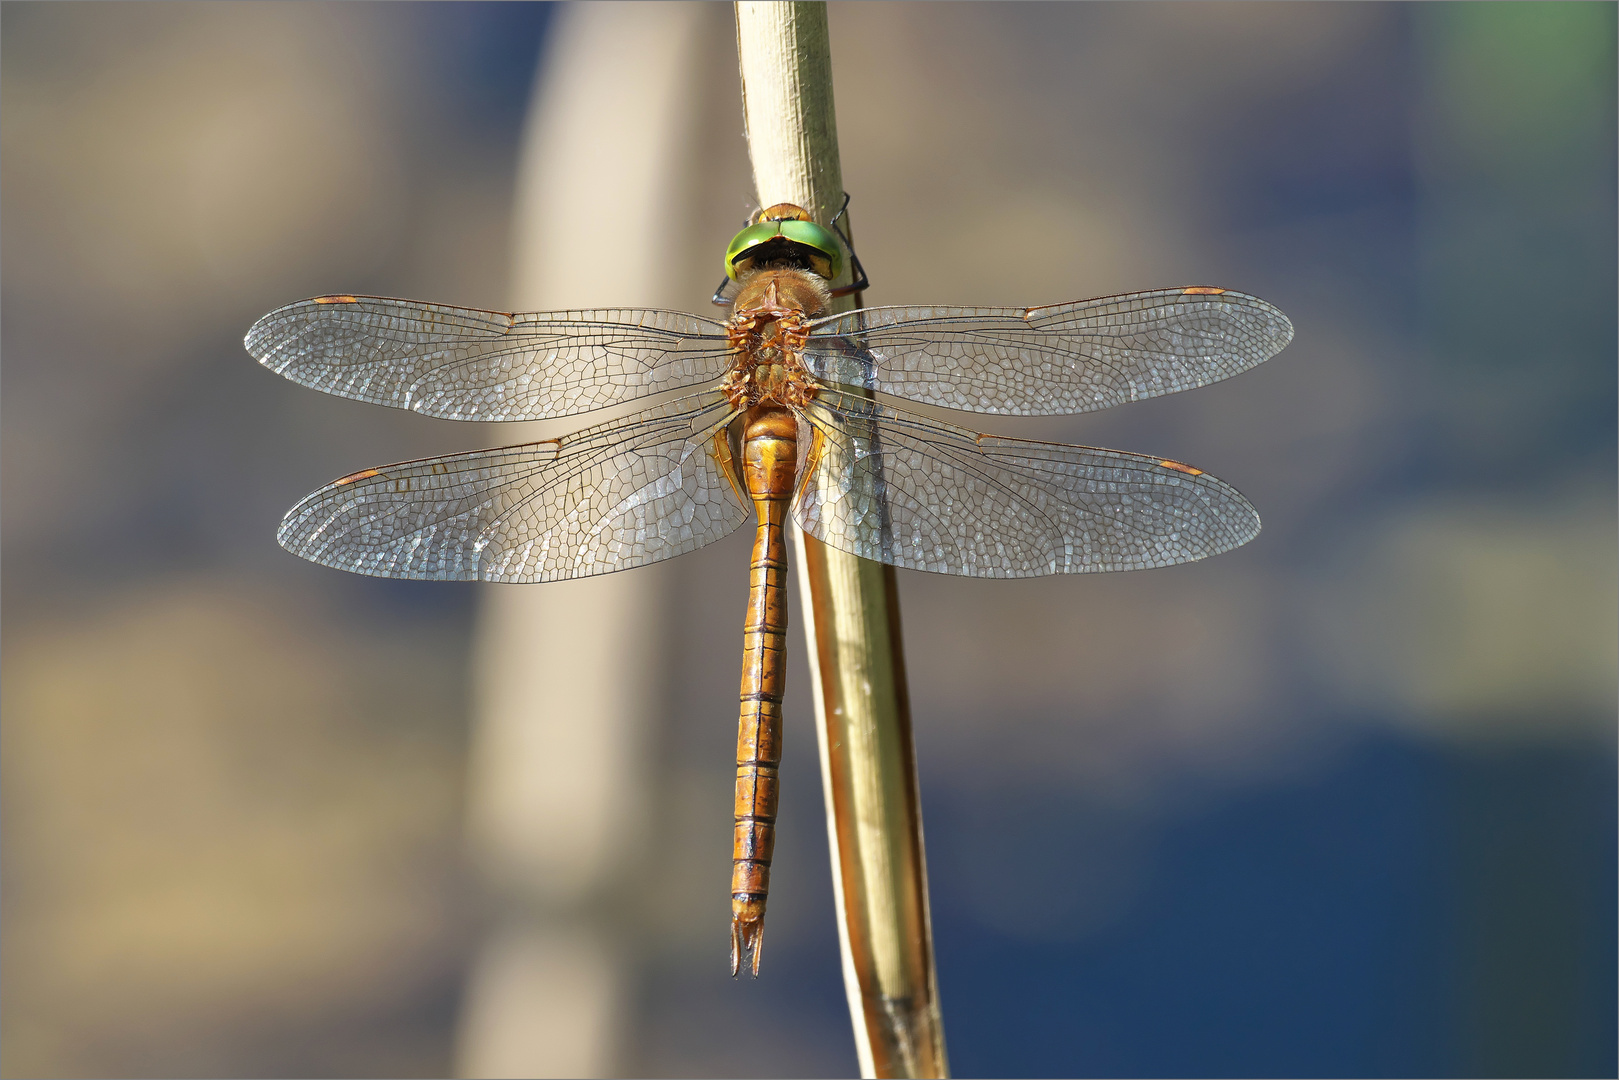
[(1339, 803)]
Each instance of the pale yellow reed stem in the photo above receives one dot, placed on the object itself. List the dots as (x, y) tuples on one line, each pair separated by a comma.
[(851, 615)]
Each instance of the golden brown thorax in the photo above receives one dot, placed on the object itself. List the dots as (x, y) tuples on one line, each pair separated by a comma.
[(767, 330), (781, 289)]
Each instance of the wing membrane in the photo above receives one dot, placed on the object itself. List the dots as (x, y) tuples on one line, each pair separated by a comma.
[(920, 494), (467, 364), (1067, 358), (607, 498)]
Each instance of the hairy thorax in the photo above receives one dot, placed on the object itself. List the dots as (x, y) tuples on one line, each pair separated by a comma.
[(768, 328)]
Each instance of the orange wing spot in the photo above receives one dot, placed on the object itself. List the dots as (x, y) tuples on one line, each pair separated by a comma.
[(1202, 290), (341, 298), (363, 474), (1178, 467)]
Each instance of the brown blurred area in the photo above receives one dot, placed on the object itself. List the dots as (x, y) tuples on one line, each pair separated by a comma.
[(246, 801), (231, 794), (211, 838)]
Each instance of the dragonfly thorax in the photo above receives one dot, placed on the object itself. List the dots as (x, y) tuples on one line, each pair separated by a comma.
[(781, 288), (767, 331)]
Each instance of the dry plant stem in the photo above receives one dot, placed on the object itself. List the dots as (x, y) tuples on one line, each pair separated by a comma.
[(851, 614)]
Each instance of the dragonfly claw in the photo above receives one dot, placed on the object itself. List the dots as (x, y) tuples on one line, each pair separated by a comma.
[(747, 940)]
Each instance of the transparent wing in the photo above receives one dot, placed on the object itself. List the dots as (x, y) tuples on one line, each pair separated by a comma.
[(1067, 358), (916, 493), (607, 498), (466, 364)]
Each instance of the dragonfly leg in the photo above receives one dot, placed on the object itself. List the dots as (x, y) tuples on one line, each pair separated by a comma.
[(861, 281)]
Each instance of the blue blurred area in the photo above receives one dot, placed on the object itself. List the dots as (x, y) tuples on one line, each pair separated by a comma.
[(487, 51), (1407, 912)]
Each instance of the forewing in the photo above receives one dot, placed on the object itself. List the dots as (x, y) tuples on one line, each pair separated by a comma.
[(1067, 358), (607, 498), (911, 491), (467, 364)]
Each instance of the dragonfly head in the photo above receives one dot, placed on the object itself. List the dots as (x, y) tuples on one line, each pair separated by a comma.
[(784, 233)]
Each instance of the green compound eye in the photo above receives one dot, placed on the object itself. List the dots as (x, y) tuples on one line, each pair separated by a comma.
[(818, 239), (748, 238), (805, 239)]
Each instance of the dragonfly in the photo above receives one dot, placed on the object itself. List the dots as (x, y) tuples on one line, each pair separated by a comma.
[(780, 412)]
